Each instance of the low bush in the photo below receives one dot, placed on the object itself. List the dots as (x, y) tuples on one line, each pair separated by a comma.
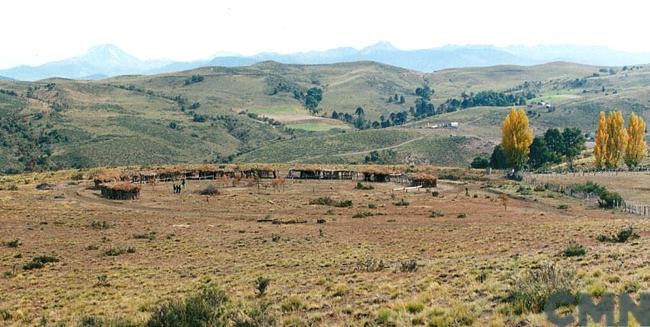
[(151, 235), (408, 266), (261, 284), (530, 291), (114, 252), (95, 224), (40, 262), (327, 201), (575, 250), (360, 186), (462, 215), (210, 190), (608, 199), (369, 265), (207, 308), (402, 203), (436, 214), (13, 243), (621, 236), (362, 214)]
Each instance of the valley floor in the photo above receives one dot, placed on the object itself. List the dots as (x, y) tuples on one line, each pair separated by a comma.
[(345, 271)]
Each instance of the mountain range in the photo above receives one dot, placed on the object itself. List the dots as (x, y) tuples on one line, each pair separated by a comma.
[(108, 60)]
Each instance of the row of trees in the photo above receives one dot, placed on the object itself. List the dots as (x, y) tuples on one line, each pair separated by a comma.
[(519, 149), (615, 143)]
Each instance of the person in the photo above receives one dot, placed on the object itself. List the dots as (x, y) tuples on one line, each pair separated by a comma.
[(183, 183)]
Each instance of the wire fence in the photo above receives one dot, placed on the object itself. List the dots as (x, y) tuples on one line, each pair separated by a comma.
[(631, 207)]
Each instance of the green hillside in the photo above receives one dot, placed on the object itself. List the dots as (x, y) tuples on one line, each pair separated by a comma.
[(260, 113)]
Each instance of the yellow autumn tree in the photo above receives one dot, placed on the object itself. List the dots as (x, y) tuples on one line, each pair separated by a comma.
[(516, 138), (616, 139), (635, 150), (600, 150)]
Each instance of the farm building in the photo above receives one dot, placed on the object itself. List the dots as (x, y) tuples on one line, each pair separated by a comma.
[(337, 174), (304, 173), (120, 191), (424, 180), (318, 173), (265, 172), (381, 176)]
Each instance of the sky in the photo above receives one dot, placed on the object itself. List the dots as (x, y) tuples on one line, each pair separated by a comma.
[(39, 31)]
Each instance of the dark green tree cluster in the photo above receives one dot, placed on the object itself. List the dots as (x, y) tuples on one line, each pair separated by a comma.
[(487, 99), (381, 157), (311, 98), (556, 146), (359, 121), (423, 106), (194, 79), (397, 99), (553, 147)]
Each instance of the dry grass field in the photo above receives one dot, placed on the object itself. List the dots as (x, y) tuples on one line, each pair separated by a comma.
[(391, 258)]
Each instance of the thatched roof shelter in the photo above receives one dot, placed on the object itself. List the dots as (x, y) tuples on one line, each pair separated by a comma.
[(424, 180), (109, 177), (120, 191), (381, 175)]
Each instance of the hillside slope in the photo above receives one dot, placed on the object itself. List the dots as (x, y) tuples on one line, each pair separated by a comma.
[(215, 113)]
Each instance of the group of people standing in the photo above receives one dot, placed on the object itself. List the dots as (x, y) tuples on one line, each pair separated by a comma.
[(179, 187)]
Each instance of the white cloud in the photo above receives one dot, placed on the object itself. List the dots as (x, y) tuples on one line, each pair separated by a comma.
[(39, 31)]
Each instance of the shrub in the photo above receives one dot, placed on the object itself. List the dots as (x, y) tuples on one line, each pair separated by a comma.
[(622, 236), (575, 250), (146, 236), (207, 308), (39, 262), (210, 190), (362, 214), (408, 266), (631, 287), (530, 291), (114, 252), (414, 307), (436, 214), (100, 224), (609, 199), (372, 206), (458, 315), (435, 194), (480, 163), (524, 190), (293, 303), (563, 206), (402, 203), (360, 186), (13, 243), (12, 187), (369, 265), (327, 201), (539, 188), (261, 284), (462, 215)]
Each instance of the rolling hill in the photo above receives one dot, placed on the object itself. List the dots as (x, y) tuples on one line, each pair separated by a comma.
[(258, 113), (107, 60)]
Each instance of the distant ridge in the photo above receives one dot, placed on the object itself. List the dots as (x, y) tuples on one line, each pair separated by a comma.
[(108, 60)]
